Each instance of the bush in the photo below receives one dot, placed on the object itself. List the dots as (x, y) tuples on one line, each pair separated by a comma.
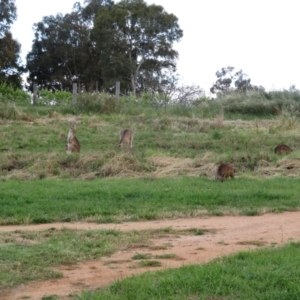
[(261, 103), (9, 111), (97, 103), (7, 92), (47, 97)]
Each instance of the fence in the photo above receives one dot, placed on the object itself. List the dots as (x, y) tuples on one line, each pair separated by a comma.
[(75, 92)]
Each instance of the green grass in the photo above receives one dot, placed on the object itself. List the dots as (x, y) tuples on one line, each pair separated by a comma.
[(149, 263), (165, 256), (262, 274), (36, 149), (41, 184), (28, 256), (117, 200), (33, 255), (141, 256)]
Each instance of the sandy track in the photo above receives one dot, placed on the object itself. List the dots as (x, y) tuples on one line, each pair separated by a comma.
[(232, 234)]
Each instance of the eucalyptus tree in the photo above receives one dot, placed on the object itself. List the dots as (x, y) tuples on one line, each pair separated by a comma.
[(8, 14), (135, 42), (91, 8), (62, 51), (10, 62), (229, 80)]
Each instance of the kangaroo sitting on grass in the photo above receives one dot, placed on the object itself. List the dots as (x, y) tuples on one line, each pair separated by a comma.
[(225, 171), (282, 149), (126, 137), (73, 144)]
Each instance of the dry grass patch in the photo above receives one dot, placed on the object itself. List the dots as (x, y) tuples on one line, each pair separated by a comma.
[(285, 167), (171, 166), (8, 110), (168, 256), (161, 247), (116, 262), (252, 243), (123, 165), (55, 115)]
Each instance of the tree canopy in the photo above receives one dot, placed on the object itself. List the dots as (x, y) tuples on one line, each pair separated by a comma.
[(101, 41), (8, 14), (62, 51), (135, 42), (228, 80), (10, 65)]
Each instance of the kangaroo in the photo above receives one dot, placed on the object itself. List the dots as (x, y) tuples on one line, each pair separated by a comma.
[(73, 144), (126, 137), (282, 149), (225, 171)]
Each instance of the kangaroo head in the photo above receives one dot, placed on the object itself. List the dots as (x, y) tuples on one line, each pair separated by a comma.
[(72, 126)]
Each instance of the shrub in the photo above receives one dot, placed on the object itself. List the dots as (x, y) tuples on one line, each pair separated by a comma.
[(7, 92), (261, 103), (97, 103), (47, 97), (9, 110)]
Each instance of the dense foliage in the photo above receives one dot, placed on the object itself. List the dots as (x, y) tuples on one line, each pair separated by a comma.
[(10, 64), (8, 14), (130, 42), (8, 92), (135, 42), (229, 80), (62, 51)]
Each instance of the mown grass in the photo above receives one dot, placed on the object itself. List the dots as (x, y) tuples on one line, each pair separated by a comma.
[(168, 174), (262, 274), (118, 200), (33, 255)]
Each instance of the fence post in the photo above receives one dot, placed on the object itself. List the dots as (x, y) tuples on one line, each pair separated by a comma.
[(117, 94), (74, 93), (96, 86), (34, 99)]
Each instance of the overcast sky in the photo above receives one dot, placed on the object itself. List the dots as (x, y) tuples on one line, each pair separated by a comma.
[(260, 37)]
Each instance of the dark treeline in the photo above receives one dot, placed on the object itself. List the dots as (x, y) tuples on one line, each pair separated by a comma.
[(10, 65)]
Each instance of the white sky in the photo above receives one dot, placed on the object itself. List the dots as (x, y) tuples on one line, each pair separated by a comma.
[(260, 37)]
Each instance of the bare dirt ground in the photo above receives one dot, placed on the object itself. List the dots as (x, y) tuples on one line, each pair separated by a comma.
[(228, 235)]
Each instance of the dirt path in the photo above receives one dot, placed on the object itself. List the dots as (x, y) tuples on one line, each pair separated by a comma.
[(232, 234)]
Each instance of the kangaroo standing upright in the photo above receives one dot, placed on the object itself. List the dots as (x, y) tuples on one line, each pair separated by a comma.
[(73, 144), (126, 137), (225, 171)]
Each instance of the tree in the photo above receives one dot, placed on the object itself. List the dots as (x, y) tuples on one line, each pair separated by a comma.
[(226, 77), (53, 60), (134, 41), (223, 84), (10, 63), (10, 69), (92, 6), (8, 14), (167, 87), (62, 52)]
